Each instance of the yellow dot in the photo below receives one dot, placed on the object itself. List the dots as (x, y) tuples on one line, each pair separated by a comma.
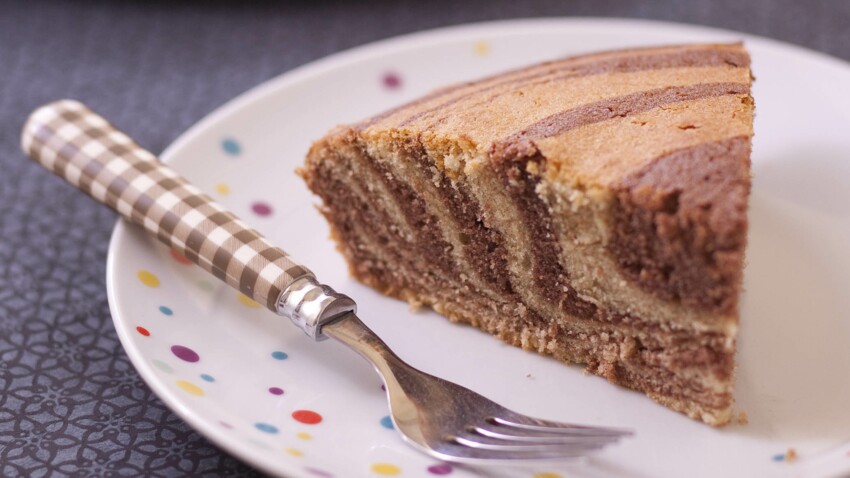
[(481, 48), (222, 189), (294, 452), (385, 469), (148, 278), (547, 474), (247, 301), (190, 388), (304, 435)]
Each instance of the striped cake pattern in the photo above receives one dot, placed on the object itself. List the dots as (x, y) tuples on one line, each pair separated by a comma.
[(591, 208)]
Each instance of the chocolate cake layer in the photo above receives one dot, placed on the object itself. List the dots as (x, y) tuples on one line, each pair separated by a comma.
[(680, 224), (591, 208)]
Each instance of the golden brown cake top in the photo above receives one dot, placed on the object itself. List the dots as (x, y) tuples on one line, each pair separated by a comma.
[(594, 117)]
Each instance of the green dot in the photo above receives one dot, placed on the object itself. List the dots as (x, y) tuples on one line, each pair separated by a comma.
[(163, 366), (205, 285)]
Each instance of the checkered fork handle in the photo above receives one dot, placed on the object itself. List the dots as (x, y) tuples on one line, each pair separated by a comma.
[(83, 148)]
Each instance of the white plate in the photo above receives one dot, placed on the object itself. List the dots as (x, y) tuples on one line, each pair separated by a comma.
[(794, 359)]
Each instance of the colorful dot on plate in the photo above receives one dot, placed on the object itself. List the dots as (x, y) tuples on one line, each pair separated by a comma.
[(222, 189), (231, 147), (166, 310), (265, 427), (275, 391), (226, 425), (247, 301), (163, 366), (278, 355), (148, 278), (205, 285), (190, 388), (304, 435), (391, 80), (294, 452), (261, 208), (779, 457), (207, 378), (387, 422), (180, 257), (441, 469), (481, 48), (386, 469), (258, 444), (185, 353), (317, 472), (307, 417), (547, 474), (143, 331)]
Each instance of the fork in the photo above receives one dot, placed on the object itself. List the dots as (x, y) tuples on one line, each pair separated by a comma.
[(438, 417)]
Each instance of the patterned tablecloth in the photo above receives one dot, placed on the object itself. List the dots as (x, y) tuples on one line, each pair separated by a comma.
[(70, 401)]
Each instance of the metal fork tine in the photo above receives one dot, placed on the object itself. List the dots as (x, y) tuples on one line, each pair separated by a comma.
[(525, 436), (571, 450), (520, 422)]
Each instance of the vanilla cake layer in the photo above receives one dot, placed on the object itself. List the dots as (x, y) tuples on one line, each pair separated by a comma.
[(591, 208)]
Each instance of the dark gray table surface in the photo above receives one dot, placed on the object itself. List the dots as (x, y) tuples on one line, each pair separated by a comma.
[(70, 401)]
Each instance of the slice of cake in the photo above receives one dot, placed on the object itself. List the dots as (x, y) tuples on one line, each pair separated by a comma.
[(591, 208)]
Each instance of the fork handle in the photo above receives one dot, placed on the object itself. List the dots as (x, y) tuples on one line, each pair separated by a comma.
[(80, 146)]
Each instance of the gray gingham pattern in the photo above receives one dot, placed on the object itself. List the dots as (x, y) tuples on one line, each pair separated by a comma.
[(71, 403), (75, 143)]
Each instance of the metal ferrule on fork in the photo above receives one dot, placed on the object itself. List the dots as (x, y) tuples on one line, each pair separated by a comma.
[(311, 304)]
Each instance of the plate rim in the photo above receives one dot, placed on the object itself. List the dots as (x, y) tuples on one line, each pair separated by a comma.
[(394, 44)]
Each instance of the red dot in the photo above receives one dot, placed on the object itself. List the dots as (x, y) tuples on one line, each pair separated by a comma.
[(261, 209), (307, 417), (143, 331), (391, 81), (180, 257)]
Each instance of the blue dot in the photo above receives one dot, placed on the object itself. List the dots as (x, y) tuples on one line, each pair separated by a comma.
[(231, 147), (278, 355), (387, 422), (165, 310), (779, 457), (265, 427), (207, 378)]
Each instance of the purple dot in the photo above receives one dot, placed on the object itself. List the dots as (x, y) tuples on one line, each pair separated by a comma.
[(226, 425), (276, 391), (391, 81), (441, 469), (383, 387), (261, 208), (317, 472), (185, 353)]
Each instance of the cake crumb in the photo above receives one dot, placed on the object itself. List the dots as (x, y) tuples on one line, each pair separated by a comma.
[(743, 419), (790, 455)]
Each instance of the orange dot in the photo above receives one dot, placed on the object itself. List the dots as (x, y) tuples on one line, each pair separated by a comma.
[(547, 474), (307, 417), (180, 257), (143, 331), (190, 388), (385, 469), (294, 451), (481, 48), (148, 278), (247, 301)]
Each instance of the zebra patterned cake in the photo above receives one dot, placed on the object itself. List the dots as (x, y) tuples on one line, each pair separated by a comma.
[(591, 208)]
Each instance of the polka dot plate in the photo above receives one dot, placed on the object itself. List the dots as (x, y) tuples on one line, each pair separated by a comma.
[(259, 389)]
